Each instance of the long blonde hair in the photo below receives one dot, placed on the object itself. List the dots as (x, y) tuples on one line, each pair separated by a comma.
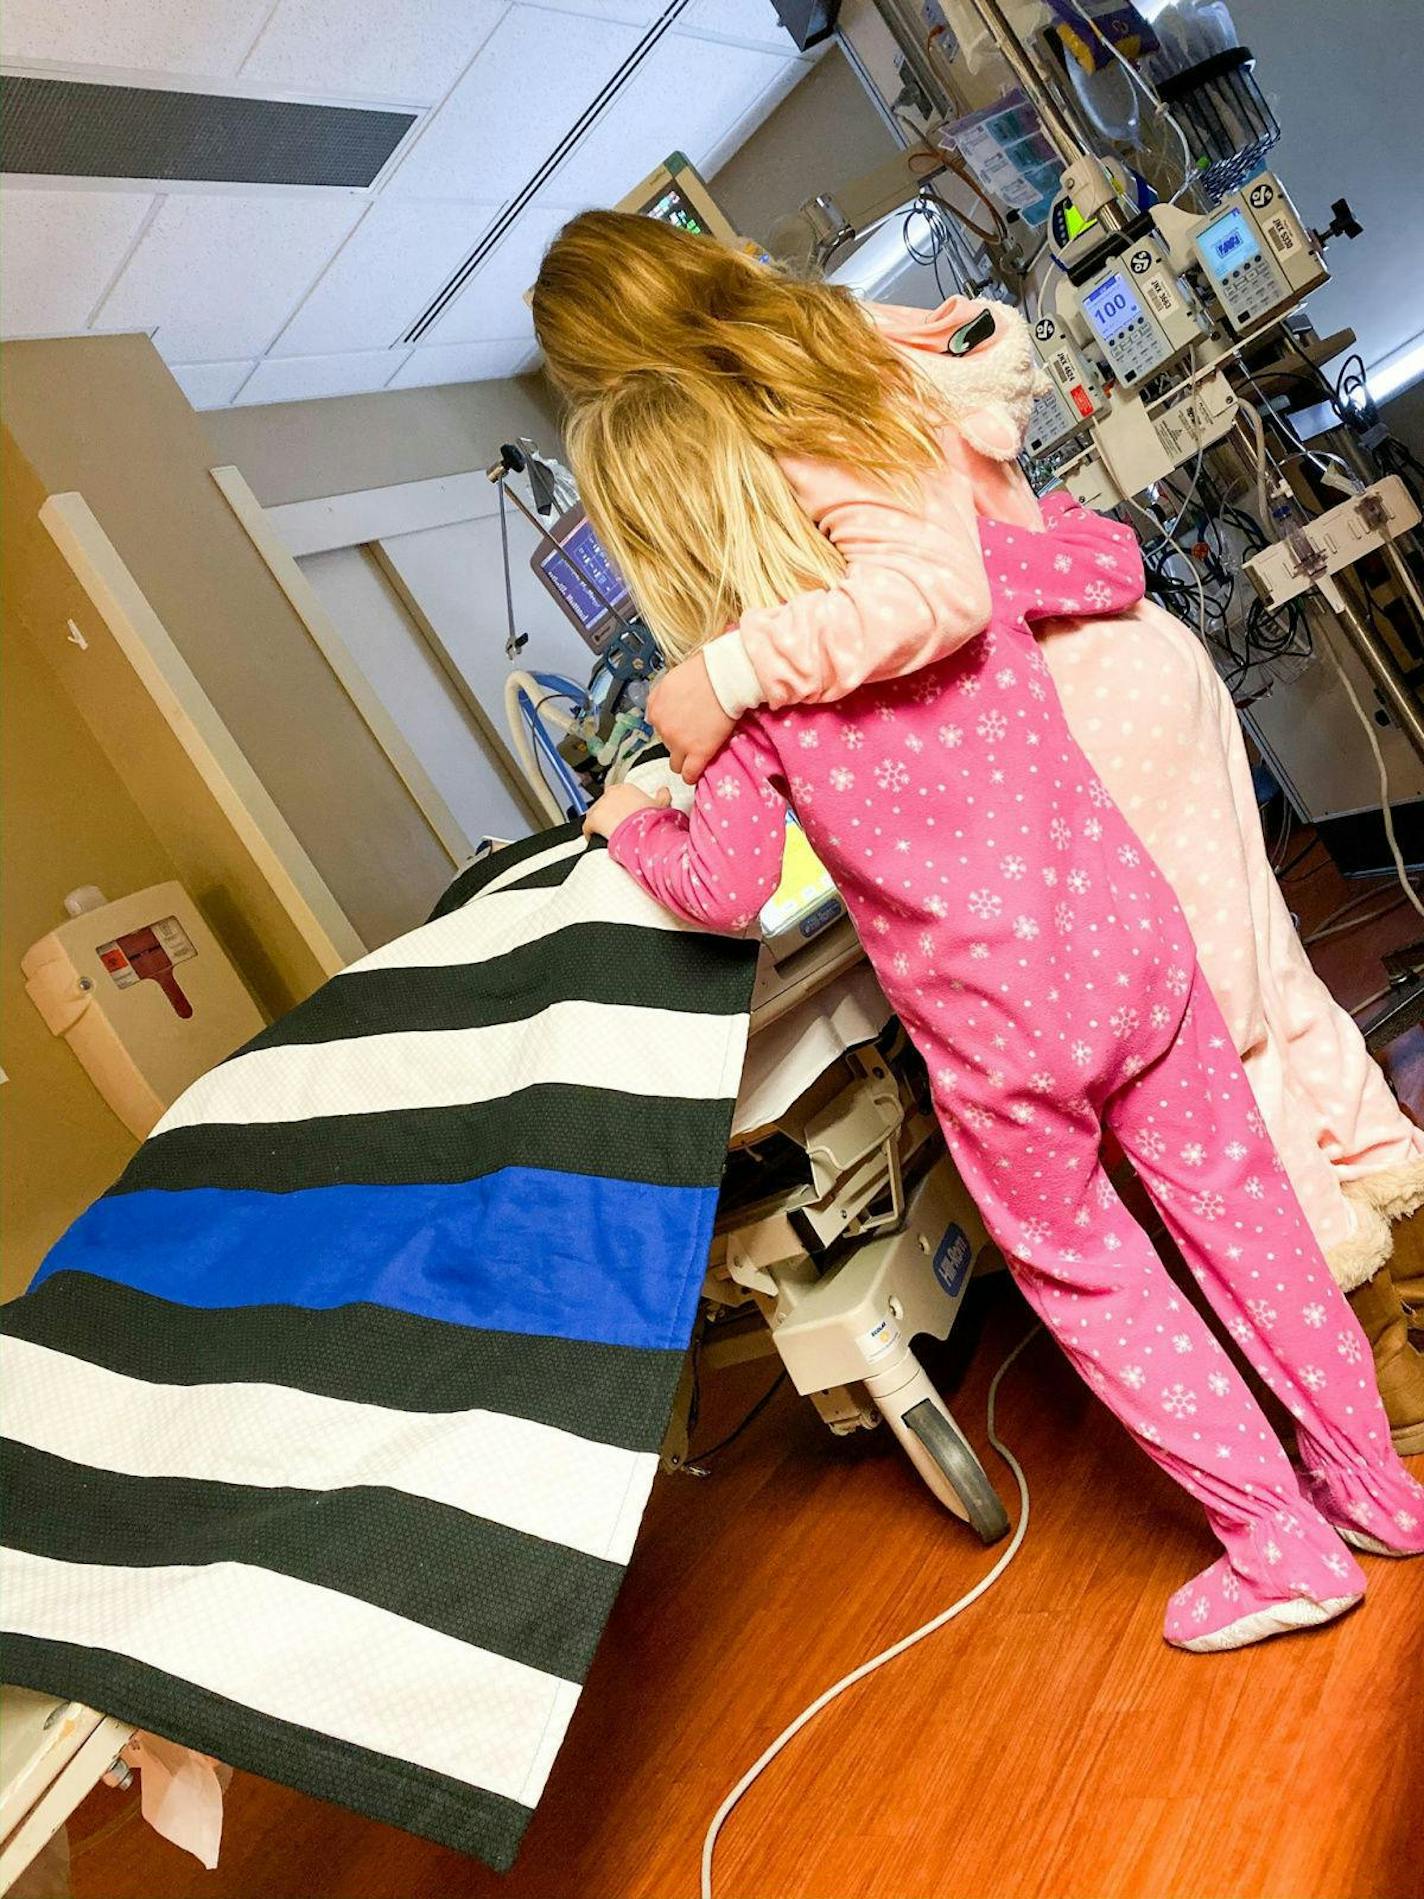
[(688, 368)]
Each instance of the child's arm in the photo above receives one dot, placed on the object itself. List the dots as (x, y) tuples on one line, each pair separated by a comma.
[(914, 590), (717, 864)]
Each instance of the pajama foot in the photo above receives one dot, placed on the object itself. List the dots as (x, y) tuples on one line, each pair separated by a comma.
[(1286, 1618), (1218, 1610)]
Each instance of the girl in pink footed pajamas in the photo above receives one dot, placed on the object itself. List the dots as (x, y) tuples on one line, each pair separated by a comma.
[(1043, 968), (1144, 701)]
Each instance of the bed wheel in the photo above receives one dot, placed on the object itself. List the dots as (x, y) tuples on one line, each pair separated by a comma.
[(962, 1470)]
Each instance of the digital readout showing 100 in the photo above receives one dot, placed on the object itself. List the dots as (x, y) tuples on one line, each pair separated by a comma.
[(1111, 307)]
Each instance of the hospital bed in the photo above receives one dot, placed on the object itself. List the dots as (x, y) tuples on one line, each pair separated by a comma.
[(844, 1231), (843, 1234)]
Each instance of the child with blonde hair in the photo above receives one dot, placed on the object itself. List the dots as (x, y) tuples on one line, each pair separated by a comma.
[(1032, 950)]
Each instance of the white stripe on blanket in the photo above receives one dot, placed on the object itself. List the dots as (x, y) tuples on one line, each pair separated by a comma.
[(599, 891), (531, 1477), (583, 1044), (308, 1655)]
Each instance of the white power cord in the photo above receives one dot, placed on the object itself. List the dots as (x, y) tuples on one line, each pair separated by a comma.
[(807, 1715)]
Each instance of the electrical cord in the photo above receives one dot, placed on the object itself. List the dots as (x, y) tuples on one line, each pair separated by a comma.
[(701, 1457), (966, 1601)]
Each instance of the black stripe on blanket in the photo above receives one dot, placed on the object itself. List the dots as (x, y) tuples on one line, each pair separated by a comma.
[(451, 1812), (471, 882), (587, 962), (536, 1602), (560, 1127), (366, 1354)]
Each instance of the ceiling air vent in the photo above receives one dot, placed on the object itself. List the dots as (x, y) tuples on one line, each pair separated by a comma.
[(63, 128)]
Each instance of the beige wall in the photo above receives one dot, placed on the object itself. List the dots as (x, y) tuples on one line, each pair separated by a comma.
[(299, 451), (68, 820), (102, 415), (823, 135), (102, 695)]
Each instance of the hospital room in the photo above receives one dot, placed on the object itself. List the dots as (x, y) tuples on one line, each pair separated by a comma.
[(712, 1081)]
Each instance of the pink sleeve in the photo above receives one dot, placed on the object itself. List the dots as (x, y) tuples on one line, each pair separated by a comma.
[(717, 864), (914, 588)]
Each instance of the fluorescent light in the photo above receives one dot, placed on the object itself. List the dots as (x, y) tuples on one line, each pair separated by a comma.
[(1398, 371)]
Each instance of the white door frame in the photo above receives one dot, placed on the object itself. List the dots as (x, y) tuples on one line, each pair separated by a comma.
[(365, 520)]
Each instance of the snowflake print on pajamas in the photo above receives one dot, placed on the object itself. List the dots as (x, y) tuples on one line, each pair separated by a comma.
[(1037, 1043)]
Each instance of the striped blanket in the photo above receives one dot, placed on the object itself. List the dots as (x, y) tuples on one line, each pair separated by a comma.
[(329, 1429)]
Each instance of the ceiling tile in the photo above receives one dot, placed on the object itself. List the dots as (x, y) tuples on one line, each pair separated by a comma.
[(536, 73), (299, 378), (755, 20), (491, 306), (217, 276), (636, 12), (684, 97), (61, 249), (463, 362), (384, 276), (162, 36), (328, 46), (210, 385)]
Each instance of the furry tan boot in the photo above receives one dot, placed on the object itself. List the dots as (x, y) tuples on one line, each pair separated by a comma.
[(1406, 1265), (1399, 1369)]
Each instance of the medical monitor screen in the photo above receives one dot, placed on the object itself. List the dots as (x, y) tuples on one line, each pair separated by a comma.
[(1228, 243), (583, 577), (673, 207), (1111, 307)]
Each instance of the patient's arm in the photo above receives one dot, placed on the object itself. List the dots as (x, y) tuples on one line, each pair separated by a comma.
[(717, 864), (914, 589)]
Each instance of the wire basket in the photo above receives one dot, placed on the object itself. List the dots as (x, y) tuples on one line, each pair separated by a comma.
[(1225, 118)]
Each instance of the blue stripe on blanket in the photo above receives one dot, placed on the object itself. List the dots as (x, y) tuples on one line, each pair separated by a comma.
[(525, 1251)]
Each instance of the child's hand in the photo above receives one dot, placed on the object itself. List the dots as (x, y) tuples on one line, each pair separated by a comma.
[(687, 716), (604, 817)]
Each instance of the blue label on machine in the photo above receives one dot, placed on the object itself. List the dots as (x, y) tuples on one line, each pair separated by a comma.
[(952, 1259)]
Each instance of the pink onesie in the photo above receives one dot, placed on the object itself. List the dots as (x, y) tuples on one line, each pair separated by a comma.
[(1144, 701), (1043, 969)]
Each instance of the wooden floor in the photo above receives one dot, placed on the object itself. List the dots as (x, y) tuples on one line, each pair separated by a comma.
[(1045, 1744)]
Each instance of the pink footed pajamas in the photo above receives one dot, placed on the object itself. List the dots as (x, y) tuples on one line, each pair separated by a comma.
[(1041, 965), (1144, 701)]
